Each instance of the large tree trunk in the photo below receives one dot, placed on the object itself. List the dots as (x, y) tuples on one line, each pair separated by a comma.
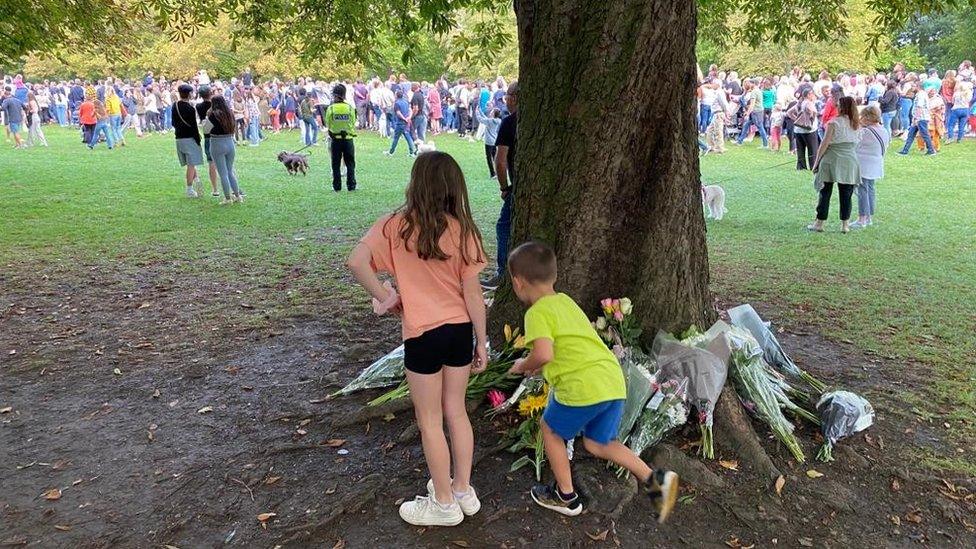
[(607, 162)]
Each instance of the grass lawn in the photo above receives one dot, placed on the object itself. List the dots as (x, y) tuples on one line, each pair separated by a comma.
[(902, 289)]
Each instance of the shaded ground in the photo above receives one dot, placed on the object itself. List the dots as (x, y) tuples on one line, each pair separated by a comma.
[(201, 427)]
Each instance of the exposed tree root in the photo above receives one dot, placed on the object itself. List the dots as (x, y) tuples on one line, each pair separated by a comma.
[(733, 427), (365, 492), (373, 412), (691, 470)]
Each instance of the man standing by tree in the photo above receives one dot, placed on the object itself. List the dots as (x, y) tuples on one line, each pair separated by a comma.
[(340, 122), (505, 170), (418, 112)]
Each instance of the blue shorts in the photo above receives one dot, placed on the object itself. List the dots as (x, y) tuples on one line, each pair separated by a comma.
[(598, 422), (15, 127)]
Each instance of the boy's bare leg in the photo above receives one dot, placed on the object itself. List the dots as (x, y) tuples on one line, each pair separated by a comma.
[(558, 458), (425, 392), (621, 455), (456, 415)]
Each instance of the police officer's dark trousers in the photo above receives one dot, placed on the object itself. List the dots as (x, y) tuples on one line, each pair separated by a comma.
[(343, 151)]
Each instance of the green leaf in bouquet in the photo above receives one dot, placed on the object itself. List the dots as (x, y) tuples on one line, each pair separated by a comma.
[(520, 462)]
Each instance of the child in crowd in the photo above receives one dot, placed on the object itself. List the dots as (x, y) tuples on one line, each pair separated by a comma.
[(776, 126), (586, 382), (491, 124), (434, 250), (715, 133)]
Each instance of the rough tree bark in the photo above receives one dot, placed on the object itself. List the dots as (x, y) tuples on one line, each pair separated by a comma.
[(607, 163)]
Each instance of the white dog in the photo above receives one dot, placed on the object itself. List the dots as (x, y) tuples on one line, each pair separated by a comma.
[(713, 197), (423, 147)]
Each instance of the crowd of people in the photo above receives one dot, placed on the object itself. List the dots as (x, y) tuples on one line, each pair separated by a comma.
[(840, 126)]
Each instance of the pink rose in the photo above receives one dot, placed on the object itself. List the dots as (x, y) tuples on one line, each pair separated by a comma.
[(618, 316)]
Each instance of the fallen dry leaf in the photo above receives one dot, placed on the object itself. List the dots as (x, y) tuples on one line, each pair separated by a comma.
[(76, 483), (913, 516), (335, 442), (731, 465), (340, 544), (599, 536), (52, 494), (461, 543), (155, 393), (264, 517), (117, 372), (895, 485), (170, 547), (304, 422), (813, 473), (896, 520), (806, 542), (62, 527), (6, 410), (389, 417), (205, 409), (301, 432), (271, 480), (780, 482)]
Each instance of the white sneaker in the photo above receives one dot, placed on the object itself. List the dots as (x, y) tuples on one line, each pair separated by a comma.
[(198, 187), (469, 502), (239, 198), (226, 201), (190, 193), (424, 511)]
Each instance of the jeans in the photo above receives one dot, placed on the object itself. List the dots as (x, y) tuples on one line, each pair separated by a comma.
[(116, 122), (167, 118), (957, 119), (844, 191), (311, 130), (420, 126), (704, 118), (401, 129), (223, 150), (390, 124), (886, 118), (806, 149), (905, 112), (865, 198), (920, 127), (254, 131), (755, 119), (102, 126), (503, 233), (61, 114), (343, 151), (490, 151)]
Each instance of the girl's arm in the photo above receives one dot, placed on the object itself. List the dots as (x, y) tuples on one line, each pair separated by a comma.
[(359, 263), (474, 301), (828, 137)]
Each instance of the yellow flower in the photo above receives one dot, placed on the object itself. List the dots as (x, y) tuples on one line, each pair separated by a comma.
[(519, 342), (508, 333), (533, 404)]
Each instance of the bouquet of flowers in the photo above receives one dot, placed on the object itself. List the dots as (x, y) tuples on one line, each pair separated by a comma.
[(693, 359), (760, 396), (745, 317), (386, 371), (843, 414), (528, 435), (666, 410), (637, 377), (617, 326)]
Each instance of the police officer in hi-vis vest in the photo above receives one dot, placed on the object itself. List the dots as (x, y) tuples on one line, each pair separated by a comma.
[(340, 120)]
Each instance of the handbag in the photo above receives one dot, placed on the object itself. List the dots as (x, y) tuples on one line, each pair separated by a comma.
[(206, 125)]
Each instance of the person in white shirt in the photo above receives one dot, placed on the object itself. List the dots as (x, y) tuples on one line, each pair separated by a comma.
[(921, 115), (870, 157)]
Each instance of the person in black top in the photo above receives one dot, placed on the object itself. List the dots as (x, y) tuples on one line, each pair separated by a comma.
[(188, 149), (506, 144), (203, 107)]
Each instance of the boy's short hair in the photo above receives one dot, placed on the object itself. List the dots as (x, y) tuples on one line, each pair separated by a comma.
[(534, 262)]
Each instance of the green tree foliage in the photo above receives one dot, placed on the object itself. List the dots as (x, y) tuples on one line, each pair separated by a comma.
[(848, 51), (942, 40)]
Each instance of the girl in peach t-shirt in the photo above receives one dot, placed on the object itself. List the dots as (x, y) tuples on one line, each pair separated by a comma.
[(433, 249)]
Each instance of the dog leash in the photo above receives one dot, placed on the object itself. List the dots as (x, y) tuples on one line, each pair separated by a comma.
[(787, 163)]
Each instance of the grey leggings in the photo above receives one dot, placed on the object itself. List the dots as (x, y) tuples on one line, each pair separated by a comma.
[(865, 198), (222, 150)]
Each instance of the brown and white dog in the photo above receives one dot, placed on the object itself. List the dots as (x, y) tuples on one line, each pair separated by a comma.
[(713, 197), (294, 163)]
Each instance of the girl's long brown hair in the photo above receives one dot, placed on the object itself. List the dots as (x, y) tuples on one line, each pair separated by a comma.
[(437, 191), (846, 107)]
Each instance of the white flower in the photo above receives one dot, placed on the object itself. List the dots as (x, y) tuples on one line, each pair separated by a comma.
[(601, 323), (626, 307)]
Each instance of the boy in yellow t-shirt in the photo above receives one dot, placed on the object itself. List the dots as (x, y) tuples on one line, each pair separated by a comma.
[(587, 385)]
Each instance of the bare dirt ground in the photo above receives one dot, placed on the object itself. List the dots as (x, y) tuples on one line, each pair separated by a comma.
[(143, 407)]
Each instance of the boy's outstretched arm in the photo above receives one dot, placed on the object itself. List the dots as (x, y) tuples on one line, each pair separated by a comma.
[(539, 356), (359, 263)]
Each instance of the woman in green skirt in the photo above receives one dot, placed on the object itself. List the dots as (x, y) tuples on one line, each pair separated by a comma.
[(837, 164)]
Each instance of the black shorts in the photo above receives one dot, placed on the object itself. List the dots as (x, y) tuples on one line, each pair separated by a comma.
[(447, 345)]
